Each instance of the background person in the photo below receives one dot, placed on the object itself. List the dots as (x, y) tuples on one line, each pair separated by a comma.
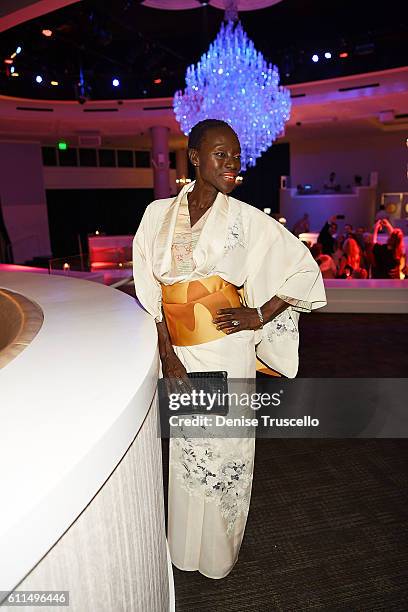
[(348, 230), (338, 251), (388, 259), (302, 226), (367, 257), (328, 235), (382, 213), (359, 236), (350, 262), (331, 183), (325, 262)]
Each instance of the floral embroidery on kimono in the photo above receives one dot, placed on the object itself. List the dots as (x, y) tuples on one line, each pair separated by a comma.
[(281, 325), (227, 481), (235, 234)]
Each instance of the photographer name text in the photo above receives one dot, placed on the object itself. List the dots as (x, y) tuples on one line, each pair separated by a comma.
[(203, 420)]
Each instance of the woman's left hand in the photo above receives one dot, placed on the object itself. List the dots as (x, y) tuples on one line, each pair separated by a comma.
[(247, 318)]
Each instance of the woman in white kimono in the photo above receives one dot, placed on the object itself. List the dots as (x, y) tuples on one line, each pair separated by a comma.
[(191, 254)]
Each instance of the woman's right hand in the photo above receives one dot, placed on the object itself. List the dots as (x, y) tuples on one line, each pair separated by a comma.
[(175, 373)]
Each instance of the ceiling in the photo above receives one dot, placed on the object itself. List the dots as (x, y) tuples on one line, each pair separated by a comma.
[(177, 5), (102, 39), (371, 103)]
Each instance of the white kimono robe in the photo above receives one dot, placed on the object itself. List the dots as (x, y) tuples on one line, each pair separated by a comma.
[(210, 480)]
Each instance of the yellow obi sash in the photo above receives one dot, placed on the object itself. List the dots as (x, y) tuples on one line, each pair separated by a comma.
[(189, 309)]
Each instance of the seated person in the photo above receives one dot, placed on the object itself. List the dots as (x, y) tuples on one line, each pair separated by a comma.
[(331, 184), (359, 236), (327, 236), (367, 257), (350, 262), (338, 249), (302, 226), (388, 259), (326, 263), (348, 231)]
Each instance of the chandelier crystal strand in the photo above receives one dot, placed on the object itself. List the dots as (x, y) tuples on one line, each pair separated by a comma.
[(233, 82), (231, 10)]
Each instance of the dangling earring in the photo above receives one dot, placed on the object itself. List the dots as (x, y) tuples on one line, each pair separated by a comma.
[(239, 180)]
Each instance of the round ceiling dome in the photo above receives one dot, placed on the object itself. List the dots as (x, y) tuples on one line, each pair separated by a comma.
[(180, 5)]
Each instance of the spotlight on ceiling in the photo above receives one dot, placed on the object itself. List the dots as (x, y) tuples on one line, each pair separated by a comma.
[(39, 78), (47, 33), (8, 61), (343, 54), (157, 81), (12, 69), (327, 55), (19, 50), (315, 58), (115, 82), (54, 83)]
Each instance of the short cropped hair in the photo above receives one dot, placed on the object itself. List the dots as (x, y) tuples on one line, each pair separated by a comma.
[(198, 132)]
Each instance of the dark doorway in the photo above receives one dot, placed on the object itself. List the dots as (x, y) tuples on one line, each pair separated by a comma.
[(6, 250), (83, 211)]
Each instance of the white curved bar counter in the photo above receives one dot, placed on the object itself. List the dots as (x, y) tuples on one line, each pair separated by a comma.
[(80, 459)]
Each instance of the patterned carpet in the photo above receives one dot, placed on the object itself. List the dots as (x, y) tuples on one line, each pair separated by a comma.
[(327, 530), (354, 345), (327, 527)]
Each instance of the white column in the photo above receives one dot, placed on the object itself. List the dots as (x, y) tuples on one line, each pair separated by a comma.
[(160, 161)]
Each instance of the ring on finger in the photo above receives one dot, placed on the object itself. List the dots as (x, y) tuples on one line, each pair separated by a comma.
[(235, 323)]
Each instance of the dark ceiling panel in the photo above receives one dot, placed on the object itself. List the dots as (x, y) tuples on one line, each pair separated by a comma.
[(149, 50)]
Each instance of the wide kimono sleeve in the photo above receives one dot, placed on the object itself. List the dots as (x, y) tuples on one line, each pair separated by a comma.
[(148, 290), (280, 265)]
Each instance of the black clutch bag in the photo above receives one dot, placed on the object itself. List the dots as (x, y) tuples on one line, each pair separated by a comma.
[(208, 395)]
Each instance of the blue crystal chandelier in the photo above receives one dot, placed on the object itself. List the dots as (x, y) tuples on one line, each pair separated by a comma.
[(233, 82)]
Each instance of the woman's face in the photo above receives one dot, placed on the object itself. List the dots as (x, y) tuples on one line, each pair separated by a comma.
[(218, 160)]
